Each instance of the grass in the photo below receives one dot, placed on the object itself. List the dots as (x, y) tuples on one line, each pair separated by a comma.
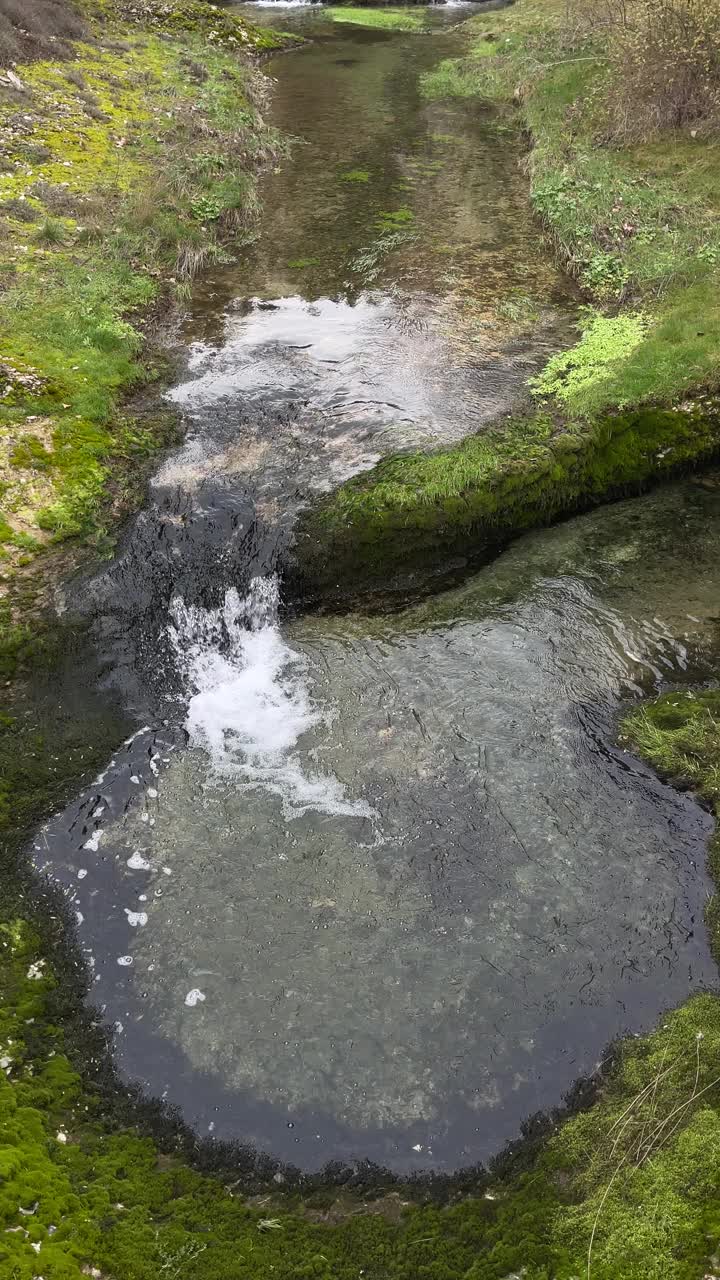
[(390, 19)]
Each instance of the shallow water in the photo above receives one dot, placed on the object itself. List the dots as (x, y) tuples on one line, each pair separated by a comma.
[(373, 886), (398, 294)]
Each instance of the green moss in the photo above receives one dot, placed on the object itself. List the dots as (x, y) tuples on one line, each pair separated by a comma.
[(410, 509), (575, 378), (356, 175)]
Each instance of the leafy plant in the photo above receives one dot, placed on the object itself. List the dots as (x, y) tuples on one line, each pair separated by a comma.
[(207, 208), (605, 341)]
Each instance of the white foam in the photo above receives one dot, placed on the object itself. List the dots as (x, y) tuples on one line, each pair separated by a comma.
[(248, 700), (136, 919), (136, 862)]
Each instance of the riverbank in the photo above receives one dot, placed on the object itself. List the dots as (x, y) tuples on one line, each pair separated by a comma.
[(638, 224), (623, 1190), (130, 164), (679, 735)]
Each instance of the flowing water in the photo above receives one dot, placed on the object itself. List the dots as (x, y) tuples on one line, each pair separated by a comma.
[(382, 886)]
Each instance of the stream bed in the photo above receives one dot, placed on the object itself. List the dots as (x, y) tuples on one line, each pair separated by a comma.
[(382, 886)]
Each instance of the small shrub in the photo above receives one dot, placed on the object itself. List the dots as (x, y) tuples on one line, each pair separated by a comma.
[(665, 56), (207, 208)]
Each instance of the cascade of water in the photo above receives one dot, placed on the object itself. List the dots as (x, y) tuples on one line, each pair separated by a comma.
[(248, 702)]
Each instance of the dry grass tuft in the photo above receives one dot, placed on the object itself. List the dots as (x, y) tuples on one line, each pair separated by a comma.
[(38, 29)]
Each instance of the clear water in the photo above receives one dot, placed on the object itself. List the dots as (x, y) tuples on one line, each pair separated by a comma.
[(381, 886)]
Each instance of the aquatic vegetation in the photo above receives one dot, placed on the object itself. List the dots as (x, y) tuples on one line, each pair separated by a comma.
[(679, 735), (393, 219), (368, 262), (356, 175)]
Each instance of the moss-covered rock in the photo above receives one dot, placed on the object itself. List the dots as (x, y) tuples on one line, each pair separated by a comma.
[(398, 523)]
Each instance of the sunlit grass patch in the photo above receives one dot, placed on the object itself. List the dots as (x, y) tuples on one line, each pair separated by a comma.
[(390, 19)]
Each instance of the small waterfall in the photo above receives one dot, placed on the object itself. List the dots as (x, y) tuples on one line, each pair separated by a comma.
[(248, 702)]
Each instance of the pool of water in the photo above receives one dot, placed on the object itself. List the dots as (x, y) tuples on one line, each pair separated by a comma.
[(381, 886), (384, 886)]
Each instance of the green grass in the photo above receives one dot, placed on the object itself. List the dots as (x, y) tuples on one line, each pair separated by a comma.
[(390, 19)]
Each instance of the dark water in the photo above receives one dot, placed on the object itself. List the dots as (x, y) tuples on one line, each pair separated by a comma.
[(371, 886)]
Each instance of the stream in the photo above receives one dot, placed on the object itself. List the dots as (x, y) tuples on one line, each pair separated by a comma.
[(380, 885)]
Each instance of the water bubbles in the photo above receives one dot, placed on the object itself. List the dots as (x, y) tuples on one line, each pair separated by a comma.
[(249, 704), (193, 997)]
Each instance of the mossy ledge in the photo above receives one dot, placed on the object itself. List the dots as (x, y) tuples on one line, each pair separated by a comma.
[(393, 528)]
